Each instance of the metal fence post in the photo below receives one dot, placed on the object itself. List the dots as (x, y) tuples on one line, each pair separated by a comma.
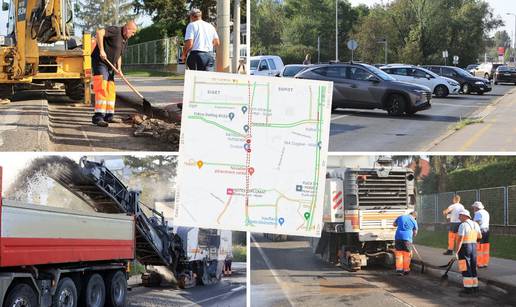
[(436, 204), (506, 205)]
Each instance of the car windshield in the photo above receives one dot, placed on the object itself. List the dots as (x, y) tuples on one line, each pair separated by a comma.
[(431, 73), (506, 69), (463, 73), (380, 73), (254, 64), (291, 71)]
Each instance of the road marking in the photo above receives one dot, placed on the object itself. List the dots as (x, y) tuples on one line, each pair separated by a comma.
[(215, 297), (339, 117), (475, 137), (458, 105), (87, 139), (273, 272)]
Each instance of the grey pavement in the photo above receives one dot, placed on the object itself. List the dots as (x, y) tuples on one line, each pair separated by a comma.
[(496, 131), (374, 130), (289, 274), (500, 272)]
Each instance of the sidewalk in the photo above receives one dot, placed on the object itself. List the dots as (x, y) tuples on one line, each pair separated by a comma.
[(162, 93), (500, 273), (495, 132)]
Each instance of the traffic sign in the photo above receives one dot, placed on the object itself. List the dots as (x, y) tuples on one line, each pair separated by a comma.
[(455, 59), (445, 54), (352, 45)]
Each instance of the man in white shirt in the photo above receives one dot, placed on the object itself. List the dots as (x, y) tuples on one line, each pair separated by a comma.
[(482, 218), (453, 212), (200, 40)]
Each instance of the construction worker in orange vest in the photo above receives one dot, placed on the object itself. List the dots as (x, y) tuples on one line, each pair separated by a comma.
[(466, 252), (453, 212), (406, 230), (482, 218), (110, 45)]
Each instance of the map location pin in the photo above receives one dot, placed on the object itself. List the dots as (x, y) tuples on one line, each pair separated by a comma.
[(200, 164), (247, 147), (246, 128), (251, 171), (281, 221), (307, 215), (244, 109), (231, 116)]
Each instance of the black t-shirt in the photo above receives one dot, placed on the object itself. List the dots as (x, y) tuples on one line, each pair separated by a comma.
[(114, 45)]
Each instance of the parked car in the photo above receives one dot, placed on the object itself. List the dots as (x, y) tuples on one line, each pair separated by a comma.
[(468, 82), (440, 86), (363, 86), (471, 68), (486, 70), (505, 74), (266, 65), (289, 71)]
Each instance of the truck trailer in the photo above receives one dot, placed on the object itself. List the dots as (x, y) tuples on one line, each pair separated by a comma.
[(60, 257), (360, 207)]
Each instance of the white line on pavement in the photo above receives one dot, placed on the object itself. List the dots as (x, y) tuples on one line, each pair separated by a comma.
[(273, 272), (339, 117), (213, 297)]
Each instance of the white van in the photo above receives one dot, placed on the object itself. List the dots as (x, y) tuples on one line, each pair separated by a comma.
[(266, 65)]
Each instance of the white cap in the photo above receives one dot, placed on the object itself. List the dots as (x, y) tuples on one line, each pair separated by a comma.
[(478, 205), (464, 212), (194, 12)]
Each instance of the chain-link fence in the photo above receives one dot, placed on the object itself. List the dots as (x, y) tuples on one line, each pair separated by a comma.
[(162, 52), (500, 202)]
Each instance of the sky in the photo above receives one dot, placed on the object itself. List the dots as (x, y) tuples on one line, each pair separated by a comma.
[(501, 7)]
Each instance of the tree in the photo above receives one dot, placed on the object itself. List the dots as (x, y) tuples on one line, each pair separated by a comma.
[(155, 175), (93, 14)]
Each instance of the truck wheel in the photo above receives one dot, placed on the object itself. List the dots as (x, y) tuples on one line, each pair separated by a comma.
[(21, 295), (75, 89), (116, 289), (95, 291), (66, 294), (396, 105), (6, 91)]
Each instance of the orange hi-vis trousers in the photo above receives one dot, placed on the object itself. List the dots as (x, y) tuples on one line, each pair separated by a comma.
[(483, 250), (105, 95), (403, 259), (452, 238)]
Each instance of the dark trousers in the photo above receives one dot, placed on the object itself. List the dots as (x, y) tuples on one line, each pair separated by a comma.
[(468, 265), (199, 60)]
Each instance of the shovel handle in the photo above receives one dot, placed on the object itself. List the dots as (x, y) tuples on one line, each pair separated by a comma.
[(125, 79)]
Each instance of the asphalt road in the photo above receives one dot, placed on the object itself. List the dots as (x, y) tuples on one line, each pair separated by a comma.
[(230, 292), (373, 130), (288, 274), (38, 120)]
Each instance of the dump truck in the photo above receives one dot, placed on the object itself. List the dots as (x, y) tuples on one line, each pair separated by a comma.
[(360, 207), (61, 257), (39, 49)]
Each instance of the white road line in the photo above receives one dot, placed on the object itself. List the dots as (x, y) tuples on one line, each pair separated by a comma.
[(273, 272), (214, 297), (339, 117), (87, 139), (456, 105)]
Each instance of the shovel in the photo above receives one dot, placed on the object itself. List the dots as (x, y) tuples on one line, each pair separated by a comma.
[(420, 259), (147, 108), (444, 278)]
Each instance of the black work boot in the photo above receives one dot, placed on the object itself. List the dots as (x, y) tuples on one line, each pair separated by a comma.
[(110, 118), (98, 119)]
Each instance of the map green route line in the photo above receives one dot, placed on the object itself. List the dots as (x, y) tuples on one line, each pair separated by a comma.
[(232, 84), (286, 125), (321, 91), (217, 124), (224, 164)]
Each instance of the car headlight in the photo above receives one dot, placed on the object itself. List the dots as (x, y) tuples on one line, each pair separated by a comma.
[(452, 83), (479, 83)]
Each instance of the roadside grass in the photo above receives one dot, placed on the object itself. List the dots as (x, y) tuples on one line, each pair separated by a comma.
[(153, 73), (239, 253), (466, 122), (501, 246)]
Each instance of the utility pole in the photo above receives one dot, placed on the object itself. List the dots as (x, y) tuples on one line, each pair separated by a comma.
[(223, 17), (318, 49), (236, 35), (514, 39), (337, 30)]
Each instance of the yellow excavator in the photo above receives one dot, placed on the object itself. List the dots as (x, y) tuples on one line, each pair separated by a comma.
[(39, 49)]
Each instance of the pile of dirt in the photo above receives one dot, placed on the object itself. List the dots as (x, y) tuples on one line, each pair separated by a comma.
[(168, 133)]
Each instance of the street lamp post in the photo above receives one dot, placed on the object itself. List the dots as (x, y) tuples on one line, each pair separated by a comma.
[(514, 40), (336, 30), (386, 43)]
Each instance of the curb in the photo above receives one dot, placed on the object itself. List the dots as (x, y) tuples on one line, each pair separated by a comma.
[(479, 114)]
